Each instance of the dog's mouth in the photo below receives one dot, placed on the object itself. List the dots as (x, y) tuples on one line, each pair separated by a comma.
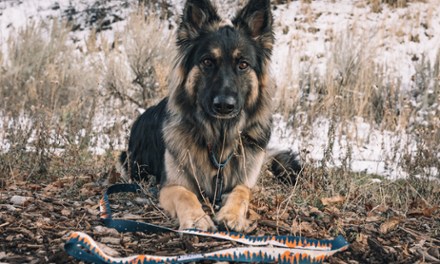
[(228, 116)]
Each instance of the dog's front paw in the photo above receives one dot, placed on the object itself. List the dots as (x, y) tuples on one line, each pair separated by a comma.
[(234, 217), (198, 220)]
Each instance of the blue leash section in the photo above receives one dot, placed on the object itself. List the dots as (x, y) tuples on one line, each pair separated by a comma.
[(266, 249), (124, 226)]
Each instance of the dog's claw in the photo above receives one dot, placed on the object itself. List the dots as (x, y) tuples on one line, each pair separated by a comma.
[(234, 220), (203, 222)]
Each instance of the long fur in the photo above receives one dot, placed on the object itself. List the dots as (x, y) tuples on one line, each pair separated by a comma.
[(219, 105)]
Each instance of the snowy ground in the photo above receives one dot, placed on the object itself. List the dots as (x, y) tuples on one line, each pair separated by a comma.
[(397, 35), (371, 151)]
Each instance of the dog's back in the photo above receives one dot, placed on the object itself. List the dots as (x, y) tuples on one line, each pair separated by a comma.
[(146, 148)]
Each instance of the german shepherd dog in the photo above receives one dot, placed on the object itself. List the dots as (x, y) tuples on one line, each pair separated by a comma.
[(208, 138)]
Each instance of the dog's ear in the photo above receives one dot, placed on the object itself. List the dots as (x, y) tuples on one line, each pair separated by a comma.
[(256, 20), (256, 17), (197, 16)]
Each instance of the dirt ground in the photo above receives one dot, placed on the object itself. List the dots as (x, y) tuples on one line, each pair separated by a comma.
[(35, 218)]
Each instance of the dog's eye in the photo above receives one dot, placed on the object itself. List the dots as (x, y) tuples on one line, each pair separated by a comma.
[(243, 65), (207, 63)]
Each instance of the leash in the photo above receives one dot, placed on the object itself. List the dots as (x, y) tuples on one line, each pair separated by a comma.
[(280, 249)]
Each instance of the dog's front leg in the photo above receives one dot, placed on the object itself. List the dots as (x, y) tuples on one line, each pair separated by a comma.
[(234, 211), (181, 203)]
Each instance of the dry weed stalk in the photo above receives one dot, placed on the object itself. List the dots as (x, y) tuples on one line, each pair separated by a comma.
[(139, 74), (45, 83)]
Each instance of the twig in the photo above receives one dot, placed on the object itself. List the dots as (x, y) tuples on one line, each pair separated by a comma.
[(271, 223), (5, 224), (152, 203), (80, 220), (206, 200), (426, 256), (123, 97), (421, 197), (417, 234)]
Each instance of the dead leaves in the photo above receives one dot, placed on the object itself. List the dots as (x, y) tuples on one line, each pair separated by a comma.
[(389, 225), (303, 228), (66, 212), (35, 217), (426, 211), (335, 200)]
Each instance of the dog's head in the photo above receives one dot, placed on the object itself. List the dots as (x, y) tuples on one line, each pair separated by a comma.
[(222, 64)]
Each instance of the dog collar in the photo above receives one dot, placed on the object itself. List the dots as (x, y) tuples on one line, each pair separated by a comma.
[(218, 190), (214, 161)]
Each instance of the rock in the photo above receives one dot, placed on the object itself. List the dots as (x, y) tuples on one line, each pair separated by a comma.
[(108, 250), (101, 230), (9, 207), (111, 240), (21, 200), (142, 201)]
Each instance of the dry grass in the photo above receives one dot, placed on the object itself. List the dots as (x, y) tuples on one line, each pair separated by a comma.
[(376, 5), (56, 94), (49, 98), (354, 87), (146, 50), (42, 70)]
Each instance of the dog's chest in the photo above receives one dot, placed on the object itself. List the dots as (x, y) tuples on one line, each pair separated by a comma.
[(219, 180)]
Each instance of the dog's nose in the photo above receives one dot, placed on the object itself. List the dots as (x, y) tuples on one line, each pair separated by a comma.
[(224, 105)]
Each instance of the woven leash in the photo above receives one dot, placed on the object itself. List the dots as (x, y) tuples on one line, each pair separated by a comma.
[(280, 249)]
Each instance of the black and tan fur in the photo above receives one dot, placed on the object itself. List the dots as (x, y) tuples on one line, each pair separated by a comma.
[(220, 101)]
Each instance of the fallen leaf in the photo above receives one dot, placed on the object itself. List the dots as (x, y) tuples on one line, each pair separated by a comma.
[(92, 211), (380, 209), (108, 250), (430, 211), (373, 218), (52, 188), (362, 238), (101, 230), (332, 210), (389, 225), (35, 187), (338, 199), (66, 212), (427, 211), (111, 240), (307, 227), (302, 227), (314, 210), (86, 191)]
